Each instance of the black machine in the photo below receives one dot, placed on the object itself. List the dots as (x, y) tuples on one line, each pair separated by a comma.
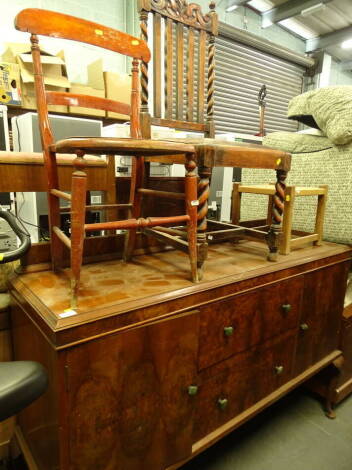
[(22, 234)]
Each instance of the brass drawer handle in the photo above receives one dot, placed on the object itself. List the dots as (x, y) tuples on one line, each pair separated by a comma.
[(286, 308), (279, 370), (222, 403), (192, 390), (304, 327), (228, 330)]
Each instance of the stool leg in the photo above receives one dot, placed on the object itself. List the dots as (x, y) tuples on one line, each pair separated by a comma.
[(285, 244), (269, 216), (203, 195), (273, 236), (78, 214), (236, 204), (191, 187), (319, 220)]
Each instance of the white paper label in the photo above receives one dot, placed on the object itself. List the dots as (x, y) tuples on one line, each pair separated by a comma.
[(67, 313)]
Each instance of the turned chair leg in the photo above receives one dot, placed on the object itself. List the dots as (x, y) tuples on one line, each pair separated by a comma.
[(137, 177), (274, 234), (57, 247), (203, 196), (285, 244), (78, 213), (191, 190)]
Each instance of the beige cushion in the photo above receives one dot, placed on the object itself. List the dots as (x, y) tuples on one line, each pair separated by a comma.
[(328, 109), (296, 143)]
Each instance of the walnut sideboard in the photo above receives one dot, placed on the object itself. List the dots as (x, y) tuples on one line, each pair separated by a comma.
[(152, 369)]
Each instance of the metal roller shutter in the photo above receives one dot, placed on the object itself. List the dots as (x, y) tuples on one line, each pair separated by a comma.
[(240, 72)]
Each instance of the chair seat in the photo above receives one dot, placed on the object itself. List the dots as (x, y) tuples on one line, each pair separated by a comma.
[(208, 152), (213, 152), (21, 382), (36, 158), (121, 146)]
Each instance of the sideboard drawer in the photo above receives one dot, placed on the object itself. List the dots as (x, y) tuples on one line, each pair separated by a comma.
[(233, 325), (230, 387)]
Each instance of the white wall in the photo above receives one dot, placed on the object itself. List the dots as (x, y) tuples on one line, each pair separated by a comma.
[(339, 76)]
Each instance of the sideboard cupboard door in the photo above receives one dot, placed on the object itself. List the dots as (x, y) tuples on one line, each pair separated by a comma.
[(131, 397), (322, 307)]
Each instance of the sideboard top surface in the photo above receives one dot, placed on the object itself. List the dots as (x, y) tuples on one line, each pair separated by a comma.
[(153, 286)]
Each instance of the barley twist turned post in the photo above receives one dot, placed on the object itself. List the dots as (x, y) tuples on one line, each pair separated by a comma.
[(205, 171), (273, 236), (144, 9)]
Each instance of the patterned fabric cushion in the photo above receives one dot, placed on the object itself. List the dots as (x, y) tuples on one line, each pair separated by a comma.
[(296, 143), (328, 109), (331, 166), (5, 271)]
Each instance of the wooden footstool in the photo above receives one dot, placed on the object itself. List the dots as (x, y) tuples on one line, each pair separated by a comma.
[(290, 238)]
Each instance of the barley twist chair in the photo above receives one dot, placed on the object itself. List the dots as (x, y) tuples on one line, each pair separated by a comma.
[(183, 76), (48, 23)]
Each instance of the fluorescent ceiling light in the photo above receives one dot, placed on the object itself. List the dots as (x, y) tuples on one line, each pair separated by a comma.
[(296, 27), (347, 44), (313, 9), (231, 8), (261, 5)]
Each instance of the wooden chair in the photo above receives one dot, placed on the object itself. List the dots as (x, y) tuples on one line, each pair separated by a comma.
[(48, 23), (290, 238), (184, 59)]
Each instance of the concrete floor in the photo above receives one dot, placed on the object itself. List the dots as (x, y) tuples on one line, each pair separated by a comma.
[(294, 434)]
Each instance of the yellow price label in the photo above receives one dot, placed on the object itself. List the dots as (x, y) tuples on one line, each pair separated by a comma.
[(288, 198), (99, 32), (278, 161), (135, 42)]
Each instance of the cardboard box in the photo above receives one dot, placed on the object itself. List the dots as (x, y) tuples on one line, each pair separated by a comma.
[(95, 75), (86, 90), (55, 79), (12, 50), (118, 88), (54, 69), (10, 91)]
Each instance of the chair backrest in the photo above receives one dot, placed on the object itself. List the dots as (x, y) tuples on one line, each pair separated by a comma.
[(58, 25), (184, 49)]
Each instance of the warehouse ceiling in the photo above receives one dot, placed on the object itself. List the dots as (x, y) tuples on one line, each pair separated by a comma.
[(323, 24)]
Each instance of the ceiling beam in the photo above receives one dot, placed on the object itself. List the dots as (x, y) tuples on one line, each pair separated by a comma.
[(347, 65), (235, 3), (286, 10), (329, 39)]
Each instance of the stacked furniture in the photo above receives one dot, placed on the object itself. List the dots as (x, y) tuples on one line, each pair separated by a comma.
[(149, 368), (202, 153)]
